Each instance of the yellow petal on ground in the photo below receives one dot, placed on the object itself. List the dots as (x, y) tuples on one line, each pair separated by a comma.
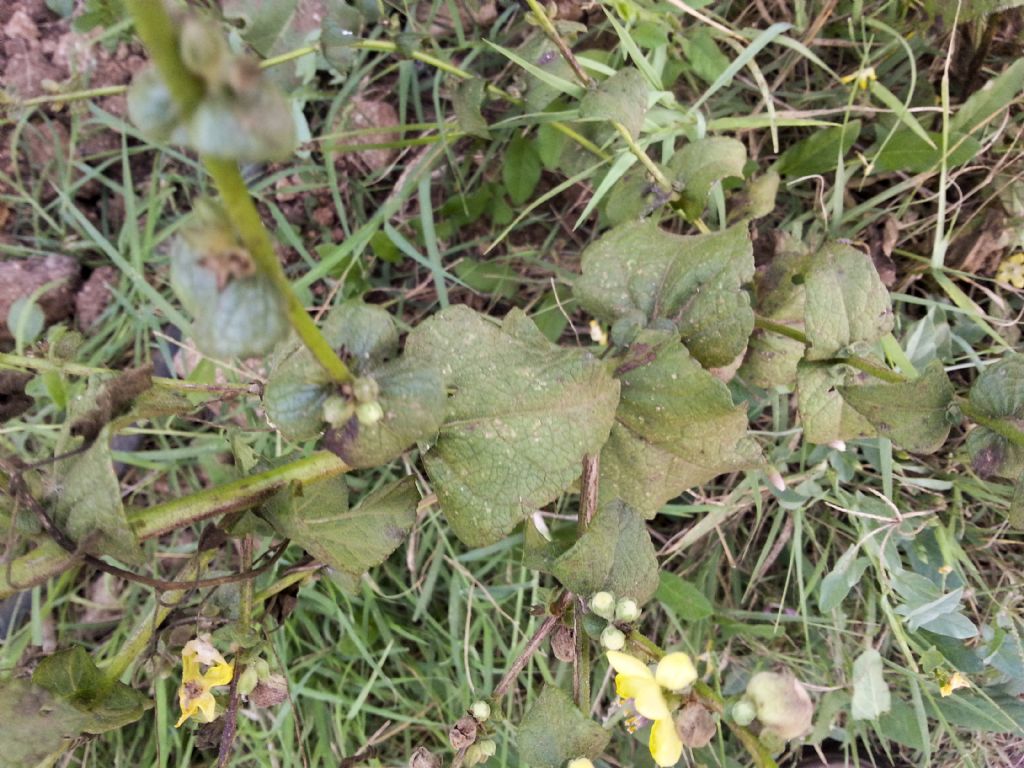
[(625, 664), (666, 746), (675, 671)]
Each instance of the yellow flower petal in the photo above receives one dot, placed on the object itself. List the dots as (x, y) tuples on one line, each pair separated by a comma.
[(625, 664), (646, 694), (666, 747), (220, 674), (675, 671)]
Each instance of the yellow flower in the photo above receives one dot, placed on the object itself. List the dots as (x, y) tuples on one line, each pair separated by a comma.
[(635, 680), (863, 77), (955, 681), (194, 695), (1011, 271)]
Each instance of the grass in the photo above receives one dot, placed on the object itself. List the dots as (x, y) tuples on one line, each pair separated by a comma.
[(376, 672)]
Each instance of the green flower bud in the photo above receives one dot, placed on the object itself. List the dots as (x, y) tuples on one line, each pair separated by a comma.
[(488, 748), (369, 413), (603, 604), (203, 49), (151, 107), (480, 711), (337, 410), (474, 755), (612, 638), (627, 610), (782, 703), (365, 389), (247, 682), (744, 712), (771, 740)]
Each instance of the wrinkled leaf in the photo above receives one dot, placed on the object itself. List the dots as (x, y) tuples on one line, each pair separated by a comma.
[(824, 414), (700, 164), (350, 541), (683, 598), (998, 394), (622, 98), (522, 415), (906, 151), (846, 302), (614, 554), (871, 696), (913, 414), (413, 400), (694, 281), (35, 726), (820, 152), (676, 427), (467, 100), (554, 731)]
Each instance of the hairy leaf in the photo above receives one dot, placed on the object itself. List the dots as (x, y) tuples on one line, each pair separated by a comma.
[(35, 726), (998, 394), (614, 554), (846, 303), (554, 731), (350, 541), (913, 414), (694, 281), (522, 415), (676, 427), (824, 414), (700, 164), (622, 98)]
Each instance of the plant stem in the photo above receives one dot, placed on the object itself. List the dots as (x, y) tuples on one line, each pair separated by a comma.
[(872, 368), (49, 559), (1001, 427), (783, 330), (154, 26)]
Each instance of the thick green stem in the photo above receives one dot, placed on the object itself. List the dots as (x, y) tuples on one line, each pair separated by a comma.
[(154, 26), (49, 559), (783, 330), (1001, 427)]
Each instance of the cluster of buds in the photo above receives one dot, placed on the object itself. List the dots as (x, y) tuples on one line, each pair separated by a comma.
[(623, 611), (780, 703), (465, 735)]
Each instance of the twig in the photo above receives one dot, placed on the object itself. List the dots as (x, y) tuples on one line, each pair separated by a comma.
[(588, 489), (531, 647)]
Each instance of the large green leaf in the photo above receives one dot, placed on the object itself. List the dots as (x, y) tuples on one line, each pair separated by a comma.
[(820, 152), (614, 554), (694, 281), (622, 98), (998, 394), (350, 541), (986, 103), (779, 296), (847, 306), (35, 726), (554, 732), (915, 415), (676, 427), (906, 151), (700, 164), (871, 697), (522, 415), (681, 597), (824, 414)]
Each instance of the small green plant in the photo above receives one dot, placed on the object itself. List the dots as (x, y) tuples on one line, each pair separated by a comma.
[(497, 420)]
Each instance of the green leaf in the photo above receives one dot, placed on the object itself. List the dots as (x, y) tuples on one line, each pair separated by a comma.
[(490, 278), (614, 554), (350, 541), (998, 394), (467, 100), (847, 306), (704, 55), (700, 164), (683, 598), (694, 281), (906, 151), (758, 199), (984, 105), (902, 725), (982, 713), (871, 696), (820, 152), (554, 731), (824, 414), (25, 320), (413, 400), (676, 427), (88, 507), (73, 676), (840, 580), (521, 169), (622, 98), (631, 198), (780, 296), (913, 414), (36, 727), (522, 415)]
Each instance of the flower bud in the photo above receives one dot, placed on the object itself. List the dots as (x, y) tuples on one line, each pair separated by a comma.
[(627, 610), (612, 638), (365, 389), (202, 48), (337, 410), (248, 680), (580, 762), (369, 413), (603, 604), (743, 712), (474, 756), (487, 748), (480, 711), (424, 758), (695, 725), (675, 671), (783, 705)]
